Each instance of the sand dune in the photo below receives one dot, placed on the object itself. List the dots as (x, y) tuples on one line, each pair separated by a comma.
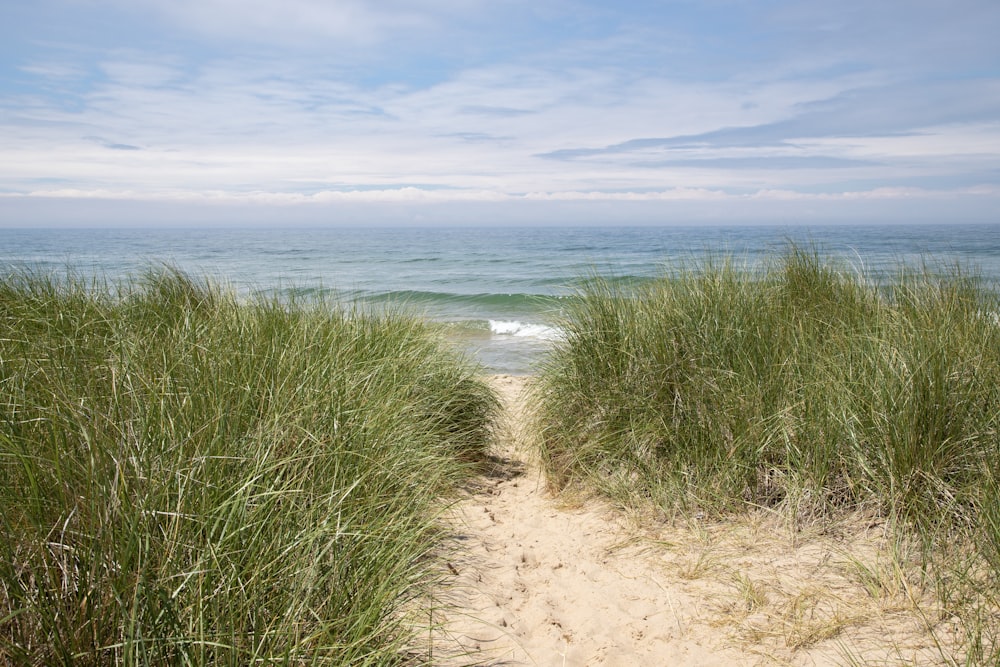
[(536, 582)]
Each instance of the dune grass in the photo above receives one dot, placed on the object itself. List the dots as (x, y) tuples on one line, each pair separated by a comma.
[(804, 387), (188, 479)]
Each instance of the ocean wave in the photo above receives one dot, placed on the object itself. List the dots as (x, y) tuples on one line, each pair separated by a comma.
[(524, 330)]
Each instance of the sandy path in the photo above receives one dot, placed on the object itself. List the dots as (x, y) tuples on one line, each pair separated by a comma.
[(534, 582), (542, 584)]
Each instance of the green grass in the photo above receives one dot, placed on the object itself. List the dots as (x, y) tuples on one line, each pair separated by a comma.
[(189, 479), (804, 387)]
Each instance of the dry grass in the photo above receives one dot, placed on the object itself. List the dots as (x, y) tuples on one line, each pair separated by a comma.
[(849, 594)]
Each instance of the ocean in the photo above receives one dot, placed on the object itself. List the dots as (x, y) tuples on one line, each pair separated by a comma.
[(499, 290)]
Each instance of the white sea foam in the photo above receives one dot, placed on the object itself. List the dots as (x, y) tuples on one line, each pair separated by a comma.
[(987, 315), (524, 330)]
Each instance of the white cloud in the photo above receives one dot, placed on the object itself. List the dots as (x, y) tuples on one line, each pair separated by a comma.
[(619, 112)]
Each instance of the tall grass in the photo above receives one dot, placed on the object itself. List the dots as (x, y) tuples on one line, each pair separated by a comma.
[(188, 479), (803, 386)]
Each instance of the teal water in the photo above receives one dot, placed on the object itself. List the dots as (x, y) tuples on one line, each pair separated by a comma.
[(498, 289)]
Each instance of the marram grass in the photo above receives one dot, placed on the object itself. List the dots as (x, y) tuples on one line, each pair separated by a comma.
[(188, 479), (805, 387)]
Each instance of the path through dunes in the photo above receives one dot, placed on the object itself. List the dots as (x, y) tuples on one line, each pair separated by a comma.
[(534, 582)]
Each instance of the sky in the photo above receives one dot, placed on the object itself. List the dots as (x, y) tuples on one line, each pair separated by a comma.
[(220, 112)]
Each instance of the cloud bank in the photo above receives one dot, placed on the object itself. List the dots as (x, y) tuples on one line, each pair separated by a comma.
[(323, 111)]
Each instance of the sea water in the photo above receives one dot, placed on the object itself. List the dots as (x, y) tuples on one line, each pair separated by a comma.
[(499, 291)]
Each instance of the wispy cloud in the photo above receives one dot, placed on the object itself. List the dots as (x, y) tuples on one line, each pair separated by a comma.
[(112, 145), (318, 103), (495, 112)]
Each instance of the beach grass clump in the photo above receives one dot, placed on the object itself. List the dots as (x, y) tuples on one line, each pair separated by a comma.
[(191, 478), (802, 384)]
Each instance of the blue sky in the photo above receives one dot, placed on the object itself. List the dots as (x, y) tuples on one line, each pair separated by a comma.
[(466, 111)]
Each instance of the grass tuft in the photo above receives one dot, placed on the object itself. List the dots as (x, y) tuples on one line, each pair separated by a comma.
[(191, 479), (804, 387)]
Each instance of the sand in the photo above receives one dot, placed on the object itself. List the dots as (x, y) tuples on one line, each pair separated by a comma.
[(534, 581)]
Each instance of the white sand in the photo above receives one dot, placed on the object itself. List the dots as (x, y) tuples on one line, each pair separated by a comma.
[(538, 583)]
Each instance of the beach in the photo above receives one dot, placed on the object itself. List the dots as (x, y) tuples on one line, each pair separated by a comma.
[(538, 579), (577, 333), (885, 555)]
